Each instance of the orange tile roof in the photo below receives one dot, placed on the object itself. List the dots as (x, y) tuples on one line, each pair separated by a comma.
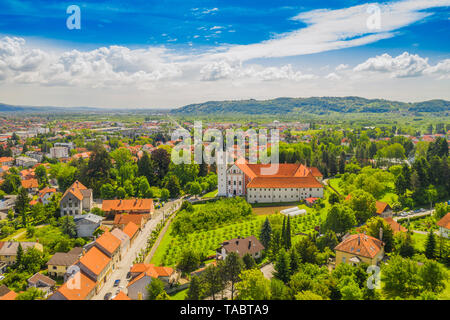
[(86, 286), (381, 206), (360, 245), (6, 159), (9, 296), (75, 190), (108, 241), (46, 190), (125, 218), (130, 229), (121, 296), (30, 183), (128, 205), (445, 221), (395, 226), (95, 260), (149, 270), (285, 182)]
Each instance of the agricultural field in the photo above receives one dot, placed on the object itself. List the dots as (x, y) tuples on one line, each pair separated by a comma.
[(207, 242)]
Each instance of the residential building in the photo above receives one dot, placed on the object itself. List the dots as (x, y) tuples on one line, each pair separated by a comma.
[(132, 231), (121, 220), (241, 246), (42, 282), (124, 240), (131, 206), (121, 296), (97, 266), (87, 224), (359, 248), (46, 194), (395, 226), (59, 152), (266, 183), (383, 209), (143, 274), (110, 245), (26, 162), (6, 294), (444, 226), (8, 250), (60, 261), (6, 161), (78, 287), (31, 185), (76, 199)]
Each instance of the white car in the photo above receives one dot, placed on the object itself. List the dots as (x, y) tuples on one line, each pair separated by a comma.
[(2, 277)]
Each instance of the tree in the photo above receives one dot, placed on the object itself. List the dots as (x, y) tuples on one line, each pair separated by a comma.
[(433, 276), (249, 262), (41, 175), (328, 240), (145, 168), (340, 219), (282, 266), (307, 250), (404, 245), (400, 277), (161, 161), (265, 233), (163, 296), (253, 286), (307, 295), (363, 204), (373, 227), (400, 184), (232, 269), (195, 289), (173, 185), (195, 188), (294, 260), (19, 255), (430, 245), (440, 210), (287, 234), (31, 294), (155, 288), (189, 261), (212, 281), (143, 187), (22, 205), (278, 290), (165, 194), (68, 226), (107, 191)]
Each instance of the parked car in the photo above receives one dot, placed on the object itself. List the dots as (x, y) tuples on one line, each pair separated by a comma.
[(107, 296), (2, 277), (116, 283), (128, 276)]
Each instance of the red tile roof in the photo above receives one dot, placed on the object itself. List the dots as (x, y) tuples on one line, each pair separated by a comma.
[(109, 242), (128, 205), (445, 221), (360, 245), (149, 270), (130, 229), (30, 183), (72, 292), (395, 226), (95, 260), (121, 296), (285, 182)]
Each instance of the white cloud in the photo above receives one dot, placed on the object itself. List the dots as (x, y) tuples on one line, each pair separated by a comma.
[(333, 76), (342, 67)]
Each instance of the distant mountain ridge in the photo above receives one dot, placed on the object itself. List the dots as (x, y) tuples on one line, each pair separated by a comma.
[(313, 105)]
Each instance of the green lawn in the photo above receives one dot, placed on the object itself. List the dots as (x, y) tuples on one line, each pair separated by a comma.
[(14, 234), (180, 295), (419, 241), (211, 194), (335, 184)]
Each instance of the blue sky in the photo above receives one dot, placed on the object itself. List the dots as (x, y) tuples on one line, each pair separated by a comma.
[(211, 50)]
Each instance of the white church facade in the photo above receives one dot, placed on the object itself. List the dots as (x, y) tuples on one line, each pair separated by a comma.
[(286, 183)]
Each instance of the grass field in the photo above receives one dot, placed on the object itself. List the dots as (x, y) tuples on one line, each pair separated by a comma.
[(211, 194), (180, 295)]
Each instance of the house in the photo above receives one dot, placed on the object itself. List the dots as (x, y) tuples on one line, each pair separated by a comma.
[(268, 183), (76, 199), (121, 220), (78, 287), (241, 246), (142, 275), (131, 206), (26, 162), (124, 239), (96, 265), (46, 194), (6, 294), (27, 174), (310, 201), (41, 282), (121, 296), (8, 250), (444, 226), (395, 226), (110, 246), (87, 224), (31, 185), (383, 209), (359, 248), (131, 230), (6, 161), (60, 261)]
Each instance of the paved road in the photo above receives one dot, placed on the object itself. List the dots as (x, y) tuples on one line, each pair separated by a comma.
[(425, 213), (140, 243)]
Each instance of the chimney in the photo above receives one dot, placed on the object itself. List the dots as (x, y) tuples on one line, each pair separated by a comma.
[(381, 234), (359, 240), (249, 244)]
